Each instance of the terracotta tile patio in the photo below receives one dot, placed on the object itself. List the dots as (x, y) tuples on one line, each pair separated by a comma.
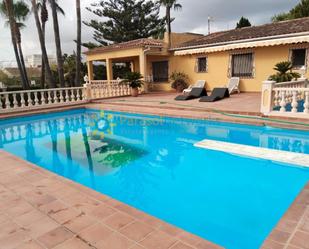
[(39, 209)]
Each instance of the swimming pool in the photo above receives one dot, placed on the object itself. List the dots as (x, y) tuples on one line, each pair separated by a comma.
[(150, 162)]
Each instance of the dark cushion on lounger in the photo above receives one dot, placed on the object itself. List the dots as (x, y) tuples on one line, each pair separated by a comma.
[(216, 94), (194, 94)]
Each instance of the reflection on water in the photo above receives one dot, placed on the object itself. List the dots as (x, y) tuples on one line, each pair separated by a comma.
[(150, 163)]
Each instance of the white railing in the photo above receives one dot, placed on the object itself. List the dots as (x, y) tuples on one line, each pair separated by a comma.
[(106, 89), (35, 99), (32, 99), (286, 98)]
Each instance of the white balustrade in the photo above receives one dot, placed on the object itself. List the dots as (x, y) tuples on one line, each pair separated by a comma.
[(286, 98), (107, 89), (31, 99)]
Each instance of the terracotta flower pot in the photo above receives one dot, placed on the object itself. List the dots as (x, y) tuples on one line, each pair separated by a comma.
[(179, 89), (134, 92)]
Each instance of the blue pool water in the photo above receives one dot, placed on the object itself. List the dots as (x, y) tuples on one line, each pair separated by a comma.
[(150, 162)]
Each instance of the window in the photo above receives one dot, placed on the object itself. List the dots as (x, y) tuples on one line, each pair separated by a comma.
[(160, 71), (299, 57), (202, 64), (242, 65)]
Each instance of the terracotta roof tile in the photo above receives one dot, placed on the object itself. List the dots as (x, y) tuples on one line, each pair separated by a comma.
[(139, 43), (255, 32)]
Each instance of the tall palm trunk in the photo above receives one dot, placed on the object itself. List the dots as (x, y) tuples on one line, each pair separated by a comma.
[(58, 43), (168, 24), (21, 56), (9, 4), (49, 75), (44, 18), (43, 74), (78, 42)]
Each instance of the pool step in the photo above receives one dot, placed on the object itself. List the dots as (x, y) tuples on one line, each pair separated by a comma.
[(252, 151)]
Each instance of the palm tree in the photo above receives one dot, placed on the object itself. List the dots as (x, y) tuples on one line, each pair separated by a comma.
[(78, 43), (16, 13), (53, 5), (170, 4), (49, 75), (42, 7)]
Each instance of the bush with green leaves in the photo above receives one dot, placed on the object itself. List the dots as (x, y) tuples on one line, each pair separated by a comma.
[(284, 72), (134, 79), (179, 80)]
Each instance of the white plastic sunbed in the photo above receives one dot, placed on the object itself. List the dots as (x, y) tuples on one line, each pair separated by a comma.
[(198, 84), (233, 85)]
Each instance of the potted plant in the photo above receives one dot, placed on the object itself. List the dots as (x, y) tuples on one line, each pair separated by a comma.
[(284, 72), (134, 79), (179, 81)]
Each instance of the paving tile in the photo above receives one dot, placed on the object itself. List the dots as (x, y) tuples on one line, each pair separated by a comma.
[(136, 246), (95, 233), (270, 244), (53, 207), (13, 240), (29, 244), (300, 239), (38, 198), (102, 211), (20, 208), (42, 226), (279, 236), (118, 220), (158, 240), (136, 230), (74, 243), (3, 218), (28, 218), (79, 223), (170, 229), (8, 228), (55, 237), (64, 215), (180, 245), (115, 241)]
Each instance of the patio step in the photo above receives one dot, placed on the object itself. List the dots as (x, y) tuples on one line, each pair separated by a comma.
[(258, 152)]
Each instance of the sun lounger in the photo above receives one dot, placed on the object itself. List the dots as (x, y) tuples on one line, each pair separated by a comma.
[(217, 94), (233, 85), (194, 94), (198, 84)]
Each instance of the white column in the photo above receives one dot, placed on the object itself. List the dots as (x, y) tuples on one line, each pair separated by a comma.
[(267, 96)]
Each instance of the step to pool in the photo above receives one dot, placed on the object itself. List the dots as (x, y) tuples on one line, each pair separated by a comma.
[(258, 152)]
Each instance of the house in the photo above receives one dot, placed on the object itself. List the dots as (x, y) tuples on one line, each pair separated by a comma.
[(249, 53)]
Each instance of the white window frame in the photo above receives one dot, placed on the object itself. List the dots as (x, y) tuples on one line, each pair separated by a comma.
[(306, 56)]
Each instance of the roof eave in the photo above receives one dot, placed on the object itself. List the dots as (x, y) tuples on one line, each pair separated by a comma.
[(240, 41)]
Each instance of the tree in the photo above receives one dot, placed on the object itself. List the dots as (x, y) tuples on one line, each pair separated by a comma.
[(243, 22), (57, 42), (169, 4), (42, 7), (49, 75), (78, 43), (16, 14), (126, 20), (299, 11), (284, 72)]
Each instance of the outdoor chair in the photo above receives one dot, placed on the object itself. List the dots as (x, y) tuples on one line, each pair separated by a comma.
[(233, 85), (195, 93), (198, 84), (216, 94)]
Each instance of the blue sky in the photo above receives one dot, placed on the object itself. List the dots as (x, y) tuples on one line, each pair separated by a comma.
[(192, 18)]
